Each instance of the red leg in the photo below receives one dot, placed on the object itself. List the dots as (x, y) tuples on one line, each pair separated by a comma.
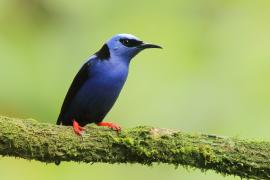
[(77, 128), (110, 125)]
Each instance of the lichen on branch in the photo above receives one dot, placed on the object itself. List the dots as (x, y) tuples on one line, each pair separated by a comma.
[(29, 139)]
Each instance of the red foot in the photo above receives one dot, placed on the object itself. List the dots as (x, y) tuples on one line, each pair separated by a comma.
[(77, 128), (110, 125)]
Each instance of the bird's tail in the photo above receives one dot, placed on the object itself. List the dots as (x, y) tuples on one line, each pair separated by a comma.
[(59, 120)]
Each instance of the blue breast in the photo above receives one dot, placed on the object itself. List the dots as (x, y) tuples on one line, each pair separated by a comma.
[(98, 93)]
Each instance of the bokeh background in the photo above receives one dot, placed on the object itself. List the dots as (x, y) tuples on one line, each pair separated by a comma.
[(212, 75)]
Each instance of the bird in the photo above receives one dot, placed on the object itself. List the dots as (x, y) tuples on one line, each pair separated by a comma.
[(99, 82)]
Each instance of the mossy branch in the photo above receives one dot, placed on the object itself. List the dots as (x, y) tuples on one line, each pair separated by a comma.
[(48, 143)]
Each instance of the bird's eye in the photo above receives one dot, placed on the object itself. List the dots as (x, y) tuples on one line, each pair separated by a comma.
[(125, 42), (130, 42)]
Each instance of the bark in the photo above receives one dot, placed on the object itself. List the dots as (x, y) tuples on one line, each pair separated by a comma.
[(29, 139)]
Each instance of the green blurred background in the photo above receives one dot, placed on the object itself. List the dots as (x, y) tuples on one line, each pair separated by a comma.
[(212, 75)]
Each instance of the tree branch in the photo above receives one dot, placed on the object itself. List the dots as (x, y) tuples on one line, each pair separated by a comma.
[(48, 143)]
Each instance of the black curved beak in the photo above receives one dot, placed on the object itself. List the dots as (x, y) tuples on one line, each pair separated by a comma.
[(148, 45)]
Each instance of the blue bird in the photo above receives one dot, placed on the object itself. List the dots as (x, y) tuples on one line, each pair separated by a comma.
[(97, 85)]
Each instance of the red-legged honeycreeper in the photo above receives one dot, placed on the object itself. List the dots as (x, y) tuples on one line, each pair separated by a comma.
[(97, 85)]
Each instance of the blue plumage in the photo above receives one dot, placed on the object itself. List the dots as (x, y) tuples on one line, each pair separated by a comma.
[(97, 85)]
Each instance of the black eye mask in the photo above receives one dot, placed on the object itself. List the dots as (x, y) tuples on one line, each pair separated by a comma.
[(130, 42)]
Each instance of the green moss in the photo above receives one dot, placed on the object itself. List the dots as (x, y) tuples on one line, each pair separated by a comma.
[(146, 145)]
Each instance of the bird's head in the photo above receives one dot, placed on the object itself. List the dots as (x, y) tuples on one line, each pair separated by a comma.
[(125, 46)]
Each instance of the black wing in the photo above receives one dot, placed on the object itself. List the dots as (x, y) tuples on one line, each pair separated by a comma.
[(77, 83)]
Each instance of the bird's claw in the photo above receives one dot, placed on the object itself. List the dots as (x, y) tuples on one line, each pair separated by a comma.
[(77, 128), (113, 126)]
